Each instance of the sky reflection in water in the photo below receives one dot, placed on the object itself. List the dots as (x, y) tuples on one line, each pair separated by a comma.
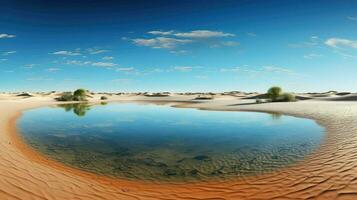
[(151, 142)]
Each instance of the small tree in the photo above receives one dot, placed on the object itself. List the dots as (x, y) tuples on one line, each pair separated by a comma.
[(80, 95), (274, 93), (80, 92)]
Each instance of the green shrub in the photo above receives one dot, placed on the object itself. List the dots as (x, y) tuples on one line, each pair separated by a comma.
[(80, 92), (66, 96), (258, 101), (103, 98), (288, 97), (80, 95), (274, 93)]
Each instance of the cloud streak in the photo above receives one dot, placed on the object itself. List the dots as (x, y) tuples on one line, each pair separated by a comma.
[(203, 34), (94, 51), (193, 34), (66, 53), (341, 42), (5, 35), (8, 53), (183, 68), (104, 64), (352, 18), (161, 42), (125, 69), (53, 69), (173, 40)]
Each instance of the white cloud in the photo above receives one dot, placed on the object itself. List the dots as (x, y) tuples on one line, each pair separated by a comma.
[(183, 68), (8, 53), (234, 69), (4, 35), (346, 55), (276, 69), (193, 34), (78, 62), (96, 51), (179, 52), (161, 42), (203, 34), (66, 53), (341, 42), (226, 44), (3, 60), (104, 64), (53, 69), (95, 64), (108, 58), (352, 18), (161, 32), (172, 40), (125, 69)]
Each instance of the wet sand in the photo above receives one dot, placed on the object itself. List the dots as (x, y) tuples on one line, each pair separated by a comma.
[(328, 173)]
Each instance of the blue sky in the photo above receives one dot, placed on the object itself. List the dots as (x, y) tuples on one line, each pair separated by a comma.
[(178, 45)]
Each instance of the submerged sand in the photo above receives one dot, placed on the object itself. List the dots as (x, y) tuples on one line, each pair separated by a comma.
[(328, 173)]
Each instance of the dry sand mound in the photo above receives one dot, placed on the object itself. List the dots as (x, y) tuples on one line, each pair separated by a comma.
[(349, 97)]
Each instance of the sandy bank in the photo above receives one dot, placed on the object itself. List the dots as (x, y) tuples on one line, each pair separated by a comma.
[(329, 173)]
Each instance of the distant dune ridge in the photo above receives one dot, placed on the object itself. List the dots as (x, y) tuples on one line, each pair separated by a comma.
[(328, 173), (326, 96)]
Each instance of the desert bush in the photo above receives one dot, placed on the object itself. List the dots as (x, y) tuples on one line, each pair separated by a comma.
[(288, 97), (274, 93), (80, 95), (80, 92), (66, 96), (103, 98)]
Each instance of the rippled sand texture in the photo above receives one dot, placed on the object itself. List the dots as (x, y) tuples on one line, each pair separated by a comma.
[(330, 173)]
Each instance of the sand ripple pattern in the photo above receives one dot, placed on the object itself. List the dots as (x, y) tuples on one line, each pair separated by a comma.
[(328, 173)]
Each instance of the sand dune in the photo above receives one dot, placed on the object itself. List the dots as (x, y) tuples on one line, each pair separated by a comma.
[(329, 173), (348, 97)]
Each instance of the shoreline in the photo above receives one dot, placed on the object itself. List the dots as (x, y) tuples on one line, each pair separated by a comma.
[(273, 185)]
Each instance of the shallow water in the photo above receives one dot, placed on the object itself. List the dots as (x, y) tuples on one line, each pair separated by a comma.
[(162, 143)]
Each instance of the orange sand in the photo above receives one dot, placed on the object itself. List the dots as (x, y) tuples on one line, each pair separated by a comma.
[(329, 173)]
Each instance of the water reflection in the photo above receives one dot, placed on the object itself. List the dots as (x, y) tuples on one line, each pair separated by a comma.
[(80, 109), (152, 142), (275, 115)]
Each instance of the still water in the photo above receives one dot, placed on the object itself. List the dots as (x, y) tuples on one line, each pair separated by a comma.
[(162, 143)]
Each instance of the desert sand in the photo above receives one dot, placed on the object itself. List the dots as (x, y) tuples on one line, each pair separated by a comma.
[(328, 173)]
